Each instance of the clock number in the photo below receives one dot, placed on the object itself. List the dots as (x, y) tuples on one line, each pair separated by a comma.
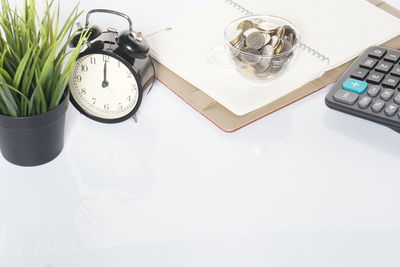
[(84, 68), (129, 98), (106, 107), (94, 100), (120, 107), (83, 91), (78, 78), (129, 74), (93, 60), (106, 58)]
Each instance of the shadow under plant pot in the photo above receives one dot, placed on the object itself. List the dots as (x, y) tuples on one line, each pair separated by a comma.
[(34, 141)]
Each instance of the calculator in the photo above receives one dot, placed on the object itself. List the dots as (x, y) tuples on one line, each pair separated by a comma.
[(369, 88)]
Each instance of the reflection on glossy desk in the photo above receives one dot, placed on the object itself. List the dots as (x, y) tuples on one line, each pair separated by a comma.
[(298, 188)]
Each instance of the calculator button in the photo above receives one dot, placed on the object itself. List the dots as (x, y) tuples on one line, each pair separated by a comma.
[(378, 106), (391, 110), (346, 97), (387, 94), (368, 63), (397, 99), (384, 66), (355, 86), (396, 71), (374, 91), (392, 56), (375, 77), (360, 74), (377, 53), (391, 82), (365, 102)]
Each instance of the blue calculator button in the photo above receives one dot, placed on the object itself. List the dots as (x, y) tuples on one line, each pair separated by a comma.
[(355, 86)]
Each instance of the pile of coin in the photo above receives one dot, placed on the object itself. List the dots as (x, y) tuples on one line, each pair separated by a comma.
[(261, 48)]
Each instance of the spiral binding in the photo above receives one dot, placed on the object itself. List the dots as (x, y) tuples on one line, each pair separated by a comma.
[(235, 5), (247, 12), (314, 52)]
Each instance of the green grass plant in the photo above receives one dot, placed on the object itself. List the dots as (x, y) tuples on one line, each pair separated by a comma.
[(35, 61)]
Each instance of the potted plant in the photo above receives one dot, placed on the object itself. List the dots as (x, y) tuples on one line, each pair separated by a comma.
[(35, 66)]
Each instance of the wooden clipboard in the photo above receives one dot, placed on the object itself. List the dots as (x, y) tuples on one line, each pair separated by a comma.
[(229, 122)]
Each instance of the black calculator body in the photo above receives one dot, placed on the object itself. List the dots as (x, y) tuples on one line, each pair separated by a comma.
[(369, 88)]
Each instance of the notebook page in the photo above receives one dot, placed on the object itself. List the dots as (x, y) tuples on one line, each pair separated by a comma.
[(338, 29), (185, 49)]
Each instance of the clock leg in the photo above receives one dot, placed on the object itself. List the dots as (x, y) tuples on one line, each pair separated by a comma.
[(134, 117)]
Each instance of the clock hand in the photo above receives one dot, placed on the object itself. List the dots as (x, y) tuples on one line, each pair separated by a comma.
[(105, 82)]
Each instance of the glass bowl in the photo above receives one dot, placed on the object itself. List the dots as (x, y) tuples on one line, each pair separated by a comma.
[(262, 47)]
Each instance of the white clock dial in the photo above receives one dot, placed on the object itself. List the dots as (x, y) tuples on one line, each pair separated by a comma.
[(104, 87)]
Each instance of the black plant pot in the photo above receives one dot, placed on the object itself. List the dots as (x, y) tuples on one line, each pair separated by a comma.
[(34, 141)]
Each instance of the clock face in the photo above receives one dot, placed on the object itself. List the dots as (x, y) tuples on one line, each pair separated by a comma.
[(104, 87)]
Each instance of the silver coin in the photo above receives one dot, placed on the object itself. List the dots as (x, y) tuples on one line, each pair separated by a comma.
[(276, 68), (277, 64), (254, 38), (290, 37), (260, 70), (268, 27), (268, 50), (267, 38), (287, 30), (289, 34), (250, 55), (287, 46), (263, 65), (247, 32), (274, 41)]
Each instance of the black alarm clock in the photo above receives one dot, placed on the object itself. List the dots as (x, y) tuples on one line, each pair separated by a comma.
[(111, 74)]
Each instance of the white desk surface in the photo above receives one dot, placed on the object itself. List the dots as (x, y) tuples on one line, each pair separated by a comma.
[(305, 186)]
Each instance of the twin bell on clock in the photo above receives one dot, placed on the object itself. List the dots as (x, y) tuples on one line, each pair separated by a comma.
[(111, 74)]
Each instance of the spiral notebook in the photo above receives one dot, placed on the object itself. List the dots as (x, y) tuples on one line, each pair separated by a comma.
[(333, 33)]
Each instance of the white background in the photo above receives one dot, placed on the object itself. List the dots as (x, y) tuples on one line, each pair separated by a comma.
[(305, 186)]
